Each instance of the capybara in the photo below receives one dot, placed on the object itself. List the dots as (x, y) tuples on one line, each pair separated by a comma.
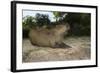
[(48, 37)]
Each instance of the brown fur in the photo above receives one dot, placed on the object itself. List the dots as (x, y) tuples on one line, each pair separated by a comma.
[(48, 37)]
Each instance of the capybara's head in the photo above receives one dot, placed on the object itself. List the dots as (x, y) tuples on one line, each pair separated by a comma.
[(61, 29)]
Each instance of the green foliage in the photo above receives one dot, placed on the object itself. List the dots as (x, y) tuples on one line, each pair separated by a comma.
[(42, 20), (28, 22), (59, 15), (80, 23)]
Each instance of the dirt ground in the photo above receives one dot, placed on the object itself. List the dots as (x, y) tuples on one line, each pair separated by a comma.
[(79, 50)]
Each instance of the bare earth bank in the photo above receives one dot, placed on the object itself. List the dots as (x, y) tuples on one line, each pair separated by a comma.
[(80, 50)]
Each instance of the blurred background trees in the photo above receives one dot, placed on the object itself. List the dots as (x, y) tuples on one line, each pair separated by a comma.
[(80, 23), (42, 20), (28, 22)]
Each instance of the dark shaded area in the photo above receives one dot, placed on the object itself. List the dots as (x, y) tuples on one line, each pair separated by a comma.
[(80, 23), (62, 45), (25, 33)]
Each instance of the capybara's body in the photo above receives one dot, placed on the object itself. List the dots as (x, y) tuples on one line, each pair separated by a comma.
[(48, 37)]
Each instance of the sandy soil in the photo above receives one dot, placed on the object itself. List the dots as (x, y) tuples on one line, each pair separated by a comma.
[(80, 50)]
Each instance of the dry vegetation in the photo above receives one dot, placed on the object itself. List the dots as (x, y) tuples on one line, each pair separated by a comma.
[(79, 50)]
